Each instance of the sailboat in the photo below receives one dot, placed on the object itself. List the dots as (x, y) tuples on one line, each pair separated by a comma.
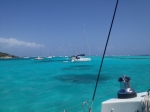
[(65, 53), (81, 57), (39, 57), (49, 56), (25, 57)]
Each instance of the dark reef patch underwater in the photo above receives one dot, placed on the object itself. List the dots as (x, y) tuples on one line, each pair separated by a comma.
[(78, 67), (83, 78)]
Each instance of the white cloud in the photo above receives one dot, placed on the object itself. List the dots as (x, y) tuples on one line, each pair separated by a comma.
[(12, 42)]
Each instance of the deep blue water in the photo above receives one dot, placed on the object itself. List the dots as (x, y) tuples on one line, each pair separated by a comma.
[(28, 85)]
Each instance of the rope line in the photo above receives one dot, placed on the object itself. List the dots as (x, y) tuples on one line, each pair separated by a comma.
[(146, 102), (104, 51)]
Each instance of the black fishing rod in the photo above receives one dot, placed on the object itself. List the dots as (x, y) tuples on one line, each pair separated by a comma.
[(104, 51)]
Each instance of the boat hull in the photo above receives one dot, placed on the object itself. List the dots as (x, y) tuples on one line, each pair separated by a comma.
[(81, 59)]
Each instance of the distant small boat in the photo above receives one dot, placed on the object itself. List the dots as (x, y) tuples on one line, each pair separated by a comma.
[(38, 58), (49, 57), (25, 57)]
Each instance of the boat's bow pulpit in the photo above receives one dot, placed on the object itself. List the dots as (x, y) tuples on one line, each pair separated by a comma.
[(127, 100)]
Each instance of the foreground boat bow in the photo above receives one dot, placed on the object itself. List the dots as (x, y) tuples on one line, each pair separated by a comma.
[(128, 100), (124, 105)]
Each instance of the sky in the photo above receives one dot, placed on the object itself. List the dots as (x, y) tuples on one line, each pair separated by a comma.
[(70, 27)]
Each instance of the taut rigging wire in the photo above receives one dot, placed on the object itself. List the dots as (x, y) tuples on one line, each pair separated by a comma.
[(104, 51)]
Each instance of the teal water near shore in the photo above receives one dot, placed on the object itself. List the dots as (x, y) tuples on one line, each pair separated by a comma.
[(49, 85)]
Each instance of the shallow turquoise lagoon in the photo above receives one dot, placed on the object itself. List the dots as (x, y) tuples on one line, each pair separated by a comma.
[(49, 85)]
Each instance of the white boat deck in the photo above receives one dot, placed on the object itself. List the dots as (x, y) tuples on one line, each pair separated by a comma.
[(123, 105)]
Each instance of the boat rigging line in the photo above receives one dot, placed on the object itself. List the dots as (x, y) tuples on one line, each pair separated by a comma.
[(104, 54)]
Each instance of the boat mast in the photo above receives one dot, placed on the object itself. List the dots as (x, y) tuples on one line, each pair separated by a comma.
[(86, 41), (86, 44)]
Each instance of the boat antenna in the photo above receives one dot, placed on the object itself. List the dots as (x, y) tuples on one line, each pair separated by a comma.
[(104, 51)]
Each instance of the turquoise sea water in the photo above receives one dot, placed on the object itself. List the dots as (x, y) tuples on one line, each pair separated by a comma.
[(28, 85)]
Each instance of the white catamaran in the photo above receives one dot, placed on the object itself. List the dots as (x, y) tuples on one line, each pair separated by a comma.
[(79, 58)]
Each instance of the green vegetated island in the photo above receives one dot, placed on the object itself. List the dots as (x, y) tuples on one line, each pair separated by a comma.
[(6, 56)]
